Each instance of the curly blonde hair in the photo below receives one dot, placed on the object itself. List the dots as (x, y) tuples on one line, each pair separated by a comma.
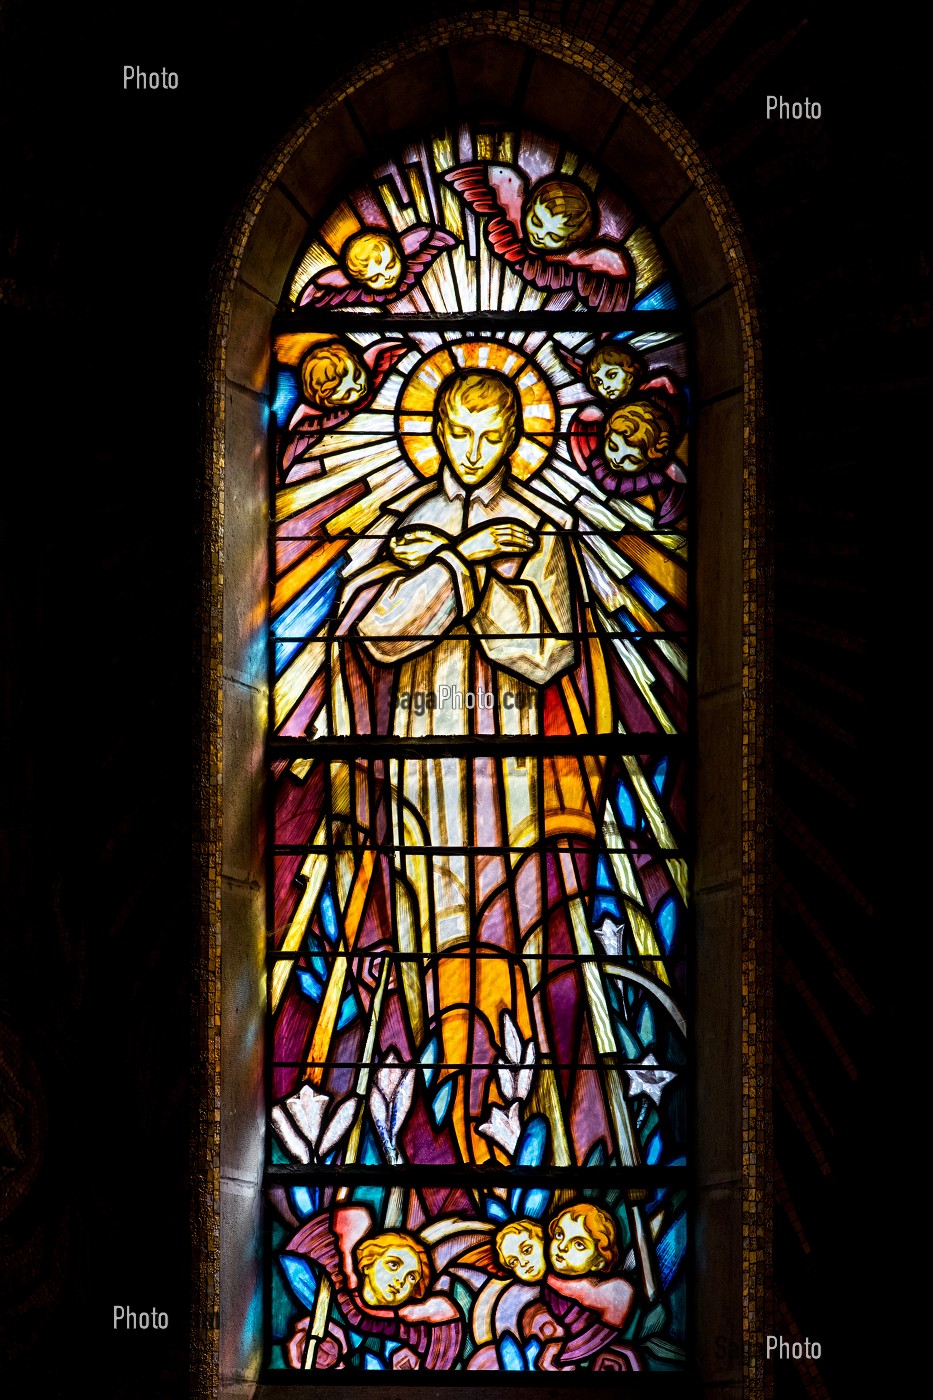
[(599, 1225), (644, 425), (370, 1251), (569, 201), (475, 390), (323, 368), (360, 250)]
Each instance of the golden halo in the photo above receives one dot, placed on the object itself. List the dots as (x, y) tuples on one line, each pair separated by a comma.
[(416, 403)]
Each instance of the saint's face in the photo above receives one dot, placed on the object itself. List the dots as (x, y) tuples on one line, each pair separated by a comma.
[(623, 455), (523, 1254), (546, 232), (351, 386), (611, 381), (392, 1279), (573, 1250), (383, 266), (474, 442)]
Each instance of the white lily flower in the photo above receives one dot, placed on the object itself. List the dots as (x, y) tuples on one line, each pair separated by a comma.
[(307, 1108), (511, 1040), (612, 936), (299, 1123), (503, 1128), (390, 1101)]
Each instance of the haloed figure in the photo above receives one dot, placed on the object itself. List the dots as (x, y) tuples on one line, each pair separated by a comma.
[(394, 1268), (372, 259), (332, 376), (558, 216), (583, 1240), (476, 426), (520, 1247)]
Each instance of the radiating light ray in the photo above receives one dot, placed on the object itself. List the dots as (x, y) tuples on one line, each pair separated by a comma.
[(401, 217), (649, 266), (645, 680), (676, 656), (291, 583), (295, 679), (314, 872), (315, 260), (292, 499)]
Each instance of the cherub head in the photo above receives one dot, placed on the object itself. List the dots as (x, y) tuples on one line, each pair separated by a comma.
[(394, 1267), (637, 435), (612, 371), (332, 376), (520, 1247), (477, 417), (583, 1240), (558, 216), (372, 258)]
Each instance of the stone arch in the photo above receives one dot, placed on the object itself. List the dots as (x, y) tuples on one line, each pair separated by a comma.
[(540, 74)]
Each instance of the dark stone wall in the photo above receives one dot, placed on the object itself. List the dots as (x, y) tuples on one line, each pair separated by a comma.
[(113, 211)]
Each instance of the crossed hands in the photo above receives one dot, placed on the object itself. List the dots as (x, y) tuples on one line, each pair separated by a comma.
[(487, 542)]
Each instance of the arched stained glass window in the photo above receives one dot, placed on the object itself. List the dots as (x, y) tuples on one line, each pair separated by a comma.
[(480, 667)]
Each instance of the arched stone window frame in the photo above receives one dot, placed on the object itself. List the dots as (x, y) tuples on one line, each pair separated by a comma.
[(542, 75)]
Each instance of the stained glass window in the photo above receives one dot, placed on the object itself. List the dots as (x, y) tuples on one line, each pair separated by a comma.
[(478, 970)]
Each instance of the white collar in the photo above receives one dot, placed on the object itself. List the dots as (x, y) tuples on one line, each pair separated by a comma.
[(454, 488)]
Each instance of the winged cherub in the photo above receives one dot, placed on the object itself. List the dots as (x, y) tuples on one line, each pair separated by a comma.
[(548, 234), (376, 267), (382, 1287), (337, 380)]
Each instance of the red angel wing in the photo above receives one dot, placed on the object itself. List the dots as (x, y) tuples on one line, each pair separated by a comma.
[(573, 362), (309, 425), (583, 436), (495, 190), (483, 1256), (381, 357)]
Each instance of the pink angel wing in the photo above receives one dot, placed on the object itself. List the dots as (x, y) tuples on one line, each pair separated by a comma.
[(306, 427), (331, 288), (420, 246), (583, 436), (603, 275), (667, 394)]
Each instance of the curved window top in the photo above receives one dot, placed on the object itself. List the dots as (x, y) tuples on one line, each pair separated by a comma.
[(478, 220)]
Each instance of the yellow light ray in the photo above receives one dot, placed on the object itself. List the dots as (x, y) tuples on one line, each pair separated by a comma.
[(340, 226), (669, 574), (333, 994), (316, 259), (291, 584), (314, 871), (649, 265), (399, 219)]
